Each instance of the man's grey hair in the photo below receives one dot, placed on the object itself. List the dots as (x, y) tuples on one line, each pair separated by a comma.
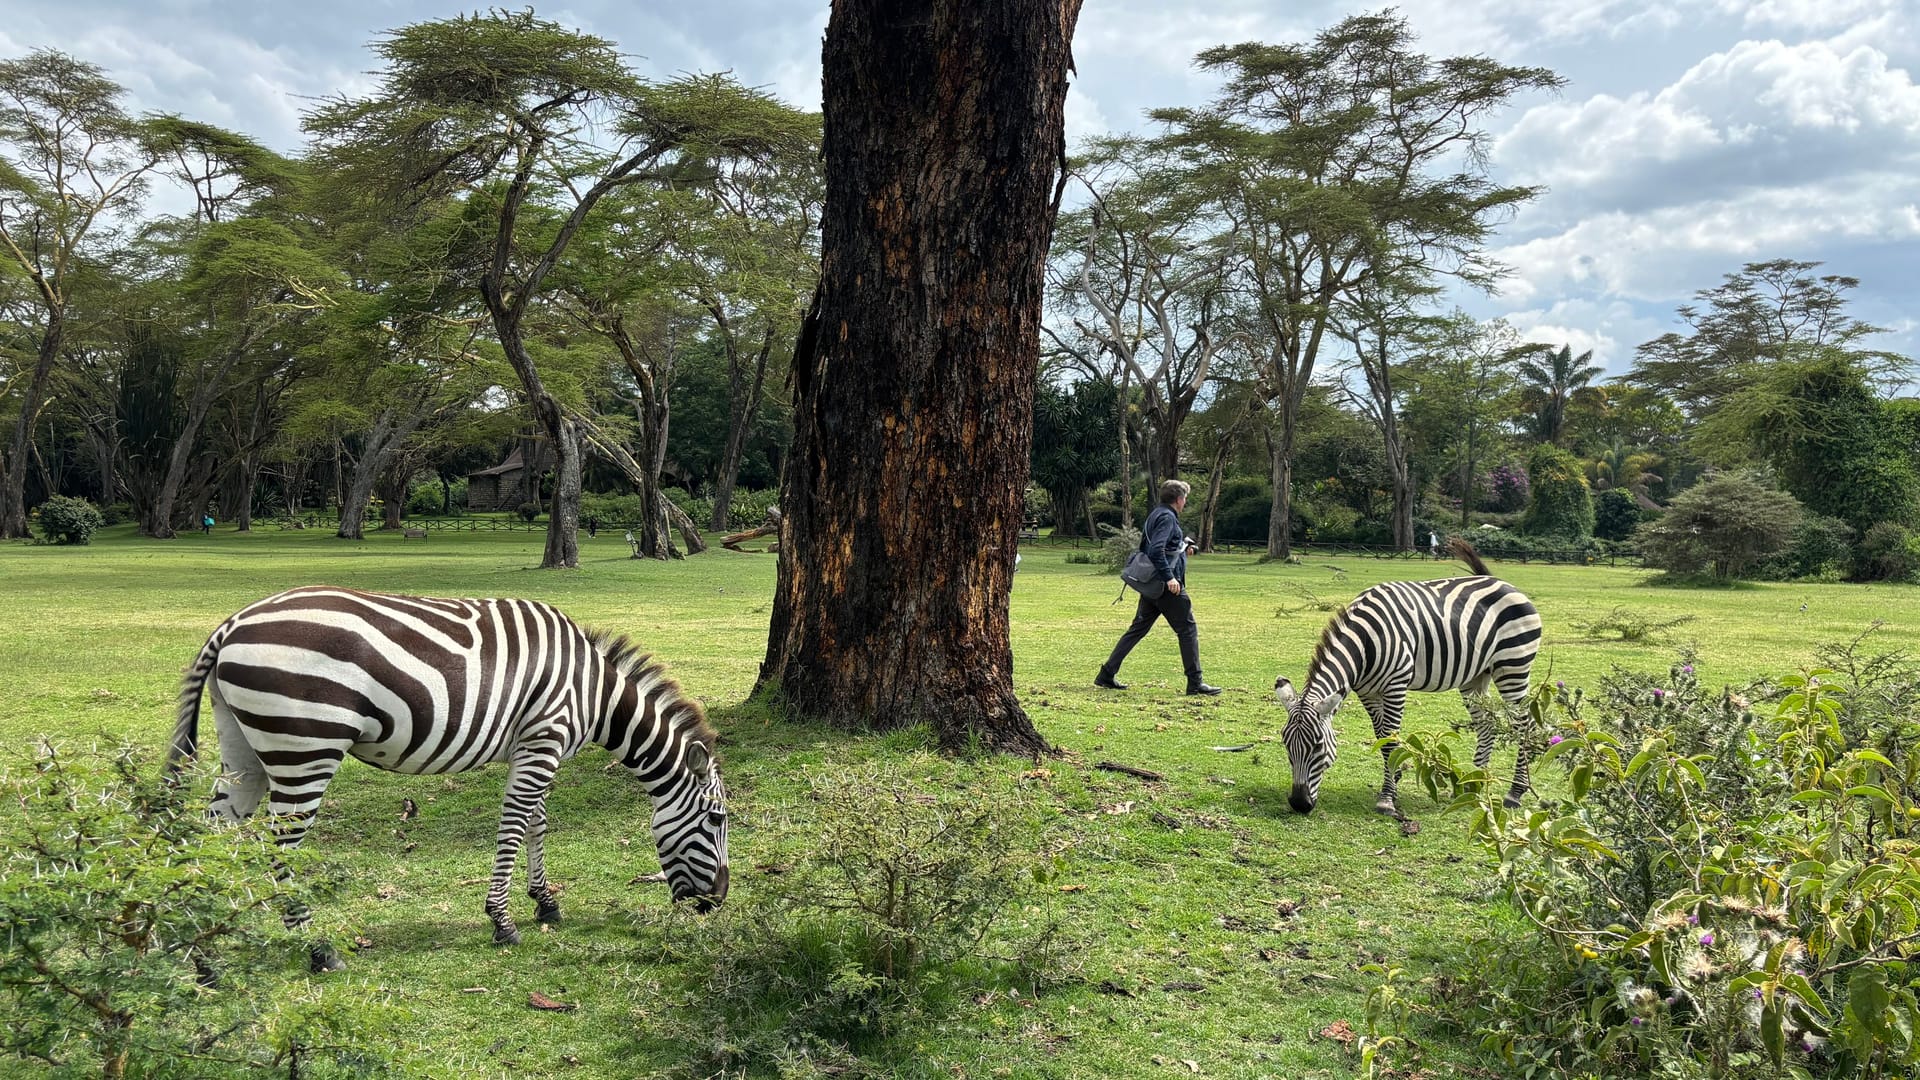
[(1171, 491)]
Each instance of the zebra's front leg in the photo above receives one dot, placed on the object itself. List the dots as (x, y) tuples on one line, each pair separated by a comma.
[(1385, 712), (527, 782), (546, 905)]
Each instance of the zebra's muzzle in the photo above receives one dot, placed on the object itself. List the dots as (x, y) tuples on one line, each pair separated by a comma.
[(1301, 802), (706, 903)]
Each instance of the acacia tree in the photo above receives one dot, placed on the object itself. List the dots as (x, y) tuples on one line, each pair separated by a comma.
[(1378, 324), (504, 107), (1342, 160), (914, 371), (70, 160), (1456, 387), (1146, 284)]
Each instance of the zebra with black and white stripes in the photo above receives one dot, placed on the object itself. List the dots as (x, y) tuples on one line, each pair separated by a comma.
[(302, 679), (1465, 633)]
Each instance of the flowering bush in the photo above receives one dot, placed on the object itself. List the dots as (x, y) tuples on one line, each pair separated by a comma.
[(1727, 884)]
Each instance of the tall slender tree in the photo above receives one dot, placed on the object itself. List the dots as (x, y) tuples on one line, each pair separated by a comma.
[(914, 371), (70, 160), (1549, 381)]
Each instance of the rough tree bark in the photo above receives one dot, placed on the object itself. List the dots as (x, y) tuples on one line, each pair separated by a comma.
[(743, 401), (914, 372), (13, 490)]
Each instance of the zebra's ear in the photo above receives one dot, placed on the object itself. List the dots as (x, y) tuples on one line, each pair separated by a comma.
[(1283, 691), (1326, 705), (698, 757)]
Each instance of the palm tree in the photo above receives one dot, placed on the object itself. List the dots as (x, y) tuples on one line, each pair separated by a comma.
[(1548, 380)]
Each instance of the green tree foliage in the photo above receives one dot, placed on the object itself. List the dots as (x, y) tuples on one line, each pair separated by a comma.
[(1763, 313), (1075, 448), (1559, 503), (1615, 515), (1550, 380), (1347, 158), (1813, 416), (1725, 526)]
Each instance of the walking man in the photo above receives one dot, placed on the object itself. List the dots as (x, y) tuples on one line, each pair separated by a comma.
[(1165, 544)]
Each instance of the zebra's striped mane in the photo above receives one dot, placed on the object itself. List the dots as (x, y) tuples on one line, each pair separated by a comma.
[(1334, 626), (625, 656)]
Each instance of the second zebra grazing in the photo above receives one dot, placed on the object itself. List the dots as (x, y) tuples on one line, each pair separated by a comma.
[(414, 684), (1471, 634)]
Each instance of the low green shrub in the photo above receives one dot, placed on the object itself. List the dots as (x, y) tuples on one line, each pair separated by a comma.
[(117, 513), (1822, 548), (1724, 884), (1726, 527), (1615, 515), (1118, 547), (140, 939), (612, 509), (529, 511), (66, 520), (897, 909), (1559, 502), (1888, 552)]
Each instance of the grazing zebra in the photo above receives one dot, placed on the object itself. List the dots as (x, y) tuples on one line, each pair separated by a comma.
[(1465, 633), (421, 685)]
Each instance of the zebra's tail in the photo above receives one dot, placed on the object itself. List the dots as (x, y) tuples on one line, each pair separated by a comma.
[(186, 727), (1465, 553)]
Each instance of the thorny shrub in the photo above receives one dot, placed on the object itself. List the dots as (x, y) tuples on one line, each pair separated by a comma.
[(1725, 883), (902, 899), (141, 940)]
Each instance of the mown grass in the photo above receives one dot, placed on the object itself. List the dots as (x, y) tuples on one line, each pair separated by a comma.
[(1219, 928)]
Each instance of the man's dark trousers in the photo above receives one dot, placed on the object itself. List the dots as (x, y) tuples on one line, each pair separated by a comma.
[(1178, 611)]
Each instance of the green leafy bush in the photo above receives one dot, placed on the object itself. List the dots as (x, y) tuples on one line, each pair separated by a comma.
[(529, 511), (1118, 547), (1559, 503), (1888, 552), (1726, 526), (1615, 515), (65, 520), (429, 499), (122, 904), (885, 919), (1822, 547), (117, 513), (611, 509), (1724, 883)]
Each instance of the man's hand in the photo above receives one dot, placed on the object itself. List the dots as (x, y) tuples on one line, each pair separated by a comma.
[(1174, 587)]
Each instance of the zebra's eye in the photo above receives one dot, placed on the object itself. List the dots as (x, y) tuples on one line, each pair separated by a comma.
[(716, 815)]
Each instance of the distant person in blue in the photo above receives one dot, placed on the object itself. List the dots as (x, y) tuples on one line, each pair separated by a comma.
[(1165, 544), (206, 524)]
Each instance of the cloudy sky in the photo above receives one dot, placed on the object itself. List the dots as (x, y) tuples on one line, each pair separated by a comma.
[(1692, 136)]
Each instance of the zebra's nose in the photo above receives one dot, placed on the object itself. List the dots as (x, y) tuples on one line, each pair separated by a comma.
[(1301, 802), (704, 904)]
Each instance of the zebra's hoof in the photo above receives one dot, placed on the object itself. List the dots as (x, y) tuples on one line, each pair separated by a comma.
[(1388, 807), (549, 914), (506, 935), (1511, 802), (322, 959)]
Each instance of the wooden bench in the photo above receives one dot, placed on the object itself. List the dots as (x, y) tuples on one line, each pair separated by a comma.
[(413, 534)]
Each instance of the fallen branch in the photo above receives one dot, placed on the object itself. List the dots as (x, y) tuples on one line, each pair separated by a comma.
[(1144, 774)]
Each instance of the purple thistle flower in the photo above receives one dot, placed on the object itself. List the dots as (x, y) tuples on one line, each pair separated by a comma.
[(1637, 1021), (1806, 1046), (1756, 993), (1706, 938), (1687, 669), (1693, 920), (1555, 741), (1561, 683), (1659, 694)]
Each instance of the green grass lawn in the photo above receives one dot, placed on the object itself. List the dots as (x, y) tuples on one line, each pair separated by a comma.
[(1220, 928)]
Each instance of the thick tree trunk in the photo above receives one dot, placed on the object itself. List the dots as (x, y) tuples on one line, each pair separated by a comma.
[(1215, 477), (563, 512), (1126, 456), (389, 433), (914, 373), (13, 490), (743, 401)]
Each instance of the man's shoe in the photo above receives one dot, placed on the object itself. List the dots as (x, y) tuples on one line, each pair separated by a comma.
[(1202, 688), (1105, 682)]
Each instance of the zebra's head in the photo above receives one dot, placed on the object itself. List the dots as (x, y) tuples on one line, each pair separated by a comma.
[(690, 826), (1309, 739)]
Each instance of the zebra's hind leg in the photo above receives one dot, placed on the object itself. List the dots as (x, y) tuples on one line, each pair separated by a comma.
[(546, 905), (294, 799), (1512, 685), (528, 779)]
